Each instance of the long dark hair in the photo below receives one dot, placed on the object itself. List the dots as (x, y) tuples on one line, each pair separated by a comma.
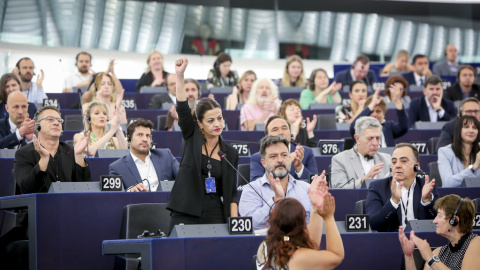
[(457, 137), (287, 219), (311, 82), (3, 82), (222, 57)]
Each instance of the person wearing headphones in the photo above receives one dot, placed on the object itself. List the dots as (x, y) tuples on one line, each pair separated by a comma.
[(48, 160), (108, 89), (143, 168), (406, 195), (24, 70), (221, 75), (96, 119), (465, 86), (83, 75), (454, 222), (449, 66)]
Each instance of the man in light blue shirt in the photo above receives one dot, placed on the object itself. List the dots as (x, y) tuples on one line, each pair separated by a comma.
[(33, 90), (274, 185)]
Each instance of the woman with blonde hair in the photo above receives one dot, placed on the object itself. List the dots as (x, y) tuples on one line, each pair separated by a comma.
[(240, 92), (293, 75), (155, 74), (96, 119), (400, 64), (262, 103)]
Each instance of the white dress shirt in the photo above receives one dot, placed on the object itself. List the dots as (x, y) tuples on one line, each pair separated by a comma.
[(147, 171), (407, 202), (75, 78), (418, 79), (366, 165)]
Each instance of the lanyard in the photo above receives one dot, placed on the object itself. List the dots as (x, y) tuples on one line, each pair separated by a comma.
[(405, 208), (209, 166)]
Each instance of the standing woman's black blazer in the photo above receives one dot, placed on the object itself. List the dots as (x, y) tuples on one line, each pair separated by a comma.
[(189, 188)]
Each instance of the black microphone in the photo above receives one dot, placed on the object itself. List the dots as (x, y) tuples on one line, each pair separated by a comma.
[(222, 155), (348, 183)]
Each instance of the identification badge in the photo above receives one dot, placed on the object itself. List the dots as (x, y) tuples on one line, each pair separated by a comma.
[(210, 185)]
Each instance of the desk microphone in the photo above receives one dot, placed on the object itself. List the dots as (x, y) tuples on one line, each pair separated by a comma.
[(349, 182), (222, 155)]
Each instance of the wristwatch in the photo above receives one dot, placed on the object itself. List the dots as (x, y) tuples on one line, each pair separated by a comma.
[(432, 261), (471, 168)]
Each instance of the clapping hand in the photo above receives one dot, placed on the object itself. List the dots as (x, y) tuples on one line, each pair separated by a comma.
[(396, 190), (40, 79), (376, 99), (311, 124), (276, 186), (39, 148), (427, 189), (81, 145), (407, 244)]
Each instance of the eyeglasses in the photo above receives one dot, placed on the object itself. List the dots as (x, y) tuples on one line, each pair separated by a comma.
[(50, 119), (472, 112)]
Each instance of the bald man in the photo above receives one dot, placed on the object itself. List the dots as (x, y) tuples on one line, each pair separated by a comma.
[(16, 130), (449, 66)]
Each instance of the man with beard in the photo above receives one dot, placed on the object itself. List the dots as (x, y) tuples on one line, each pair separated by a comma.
[(83, 75), (143, 168), (359, 71), (465, 86), (432, 107), (24, 69), (277, 183)]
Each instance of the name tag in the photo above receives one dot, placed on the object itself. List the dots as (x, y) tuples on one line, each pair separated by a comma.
[(376, 85), (330, 147), (111, 183), (129, 104), (51, 102), (421, 147), (240, 225), (357, 223), (476, 221), (242, 149)]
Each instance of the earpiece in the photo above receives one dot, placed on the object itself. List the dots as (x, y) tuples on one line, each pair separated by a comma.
[(89, 119), (454, 220), (38, 127), (415, 168)]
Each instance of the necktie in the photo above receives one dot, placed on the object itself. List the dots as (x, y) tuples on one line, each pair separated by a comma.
[(421, 81)]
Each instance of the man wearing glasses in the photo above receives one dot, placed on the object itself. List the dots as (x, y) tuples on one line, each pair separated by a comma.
[(468, 106), (48, 160)]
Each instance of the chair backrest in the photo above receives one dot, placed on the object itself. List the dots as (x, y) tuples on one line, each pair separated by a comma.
[(156, 89), (167, 106), (73, 122), (7, 153), (326, 122), (342, 126), (161, 120), (386, 150), (111, 153), (476, 202), (260, 127), (432, 145), (349, 143), (147, 216), (360, 207), (243, 169), (254, 262), (429, 125), (434, 173), (316, 106)]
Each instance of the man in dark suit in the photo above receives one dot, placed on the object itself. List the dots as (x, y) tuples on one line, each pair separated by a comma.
[(358, 72), (420, 72), (391, 202), (158, 101), (144, 168), (465, 86), (468, 106), (48, 160), (432, 107), (449, 66), (17, 129), (302, 157)]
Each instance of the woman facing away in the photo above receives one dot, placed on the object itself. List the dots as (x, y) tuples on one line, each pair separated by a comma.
[(292, 244)]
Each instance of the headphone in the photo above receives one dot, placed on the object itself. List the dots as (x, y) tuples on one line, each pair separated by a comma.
[(454, 220), (415, 168)]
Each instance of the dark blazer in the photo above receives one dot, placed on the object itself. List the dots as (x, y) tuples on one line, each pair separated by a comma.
[(189, 188), (166, 166), (32, 109), (31, 180), (418, 111), (410, 78), (309, 165), (446, 136), (345, 77), (391, 130), (157, 101), (383, 216), (455, 93), (8, 139), (147, 79)]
